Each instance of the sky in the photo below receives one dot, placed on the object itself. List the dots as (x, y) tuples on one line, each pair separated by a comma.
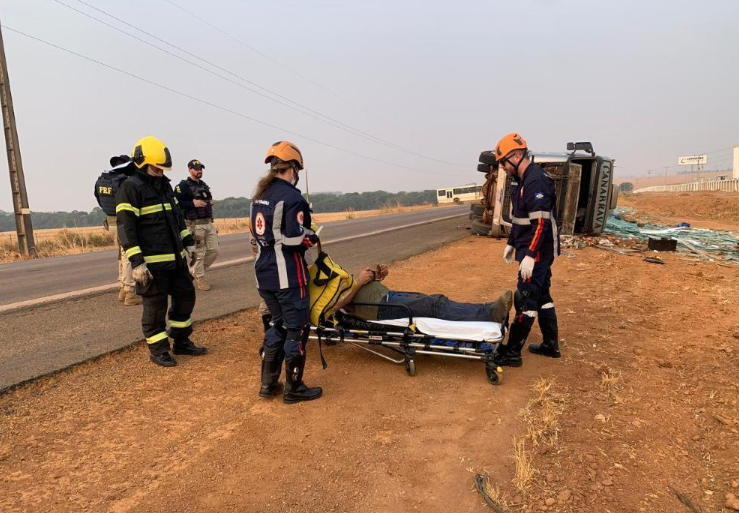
[(391, 94)]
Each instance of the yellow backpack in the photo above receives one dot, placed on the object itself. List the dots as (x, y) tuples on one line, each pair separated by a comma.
[(329, 283)]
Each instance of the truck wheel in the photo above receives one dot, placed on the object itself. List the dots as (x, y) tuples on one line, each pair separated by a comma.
[(477, 209), (480, 228), (474, 216)]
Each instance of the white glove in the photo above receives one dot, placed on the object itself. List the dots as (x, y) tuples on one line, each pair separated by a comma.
[(192, 254), (142, 275), (526, 269), (508, 254)]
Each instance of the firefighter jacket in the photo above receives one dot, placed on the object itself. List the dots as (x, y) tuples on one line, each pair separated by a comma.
[(533, 205), (189, 190), (151, 227), (280, 221)]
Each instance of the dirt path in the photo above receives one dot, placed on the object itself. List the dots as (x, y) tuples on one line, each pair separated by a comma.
[(711, 210), (644, 399)]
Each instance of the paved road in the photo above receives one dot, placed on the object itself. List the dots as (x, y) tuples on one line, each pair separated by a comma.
[(23, 281), (43, 339)]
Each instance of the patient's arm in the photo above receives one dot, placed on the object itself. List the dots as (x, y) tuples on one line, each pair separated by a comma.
[(362, 278)]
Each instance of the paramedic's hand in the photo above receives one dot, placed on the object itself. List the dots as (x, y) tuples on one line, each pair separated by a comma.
[(526, 269), (508, 254), (192, 254), (142, 275), (365, 276)]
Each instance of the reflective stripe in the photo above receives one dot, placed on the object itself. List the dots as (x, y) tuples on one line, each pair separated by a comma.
[(153, 259), (184, 233), (133, 251), (279, 256), (530, 313), (151, 209), (523, 221), (176, 201), (156, 338), (555, 236), (539, 214), (127, 206), (180, 324), (546, 306), (293, 241)]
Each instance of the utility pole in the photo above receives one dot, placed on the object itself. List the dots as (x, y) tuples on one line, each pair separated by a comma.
[(24, 228)]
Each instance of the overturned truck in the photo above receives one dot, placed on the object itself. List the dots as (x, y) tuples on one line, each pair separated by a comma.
[(584, 185)]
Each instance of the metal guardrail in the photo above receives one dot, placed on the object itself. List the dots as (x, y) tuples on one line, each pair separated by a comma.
[(710, 185)]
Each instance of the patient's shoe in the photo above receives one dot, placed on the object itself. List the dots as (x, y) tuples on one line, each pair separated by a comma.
[(501, 307)]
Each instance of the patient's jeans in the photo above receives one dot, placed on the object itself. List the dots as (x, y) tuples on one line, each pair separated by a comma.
[(437, 306)]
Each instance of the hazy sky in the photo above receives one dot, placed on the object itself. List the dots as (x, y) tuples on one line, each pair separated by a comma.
[(644, 81)]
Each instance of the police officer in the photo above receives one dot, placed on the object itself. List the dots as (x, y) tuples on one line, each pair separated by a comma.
[(281, 226), (535, 241), (196, 203), (152, 231), (105, 188)]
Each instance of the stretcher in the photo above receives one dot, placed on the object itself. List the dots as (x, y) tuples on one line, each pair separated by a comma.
[(408, 336)]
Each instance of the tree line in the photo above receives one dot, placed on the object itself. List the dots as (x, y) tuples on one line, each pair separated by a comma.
[(239, 207)]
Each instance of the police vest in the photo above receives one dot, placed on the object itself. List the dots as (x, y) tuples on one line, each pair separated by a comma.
[(106, 186), (199, 191)]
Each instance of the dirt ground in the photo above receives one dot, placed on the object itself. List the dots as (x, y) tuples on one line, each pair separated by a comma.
[(640, 410), (713, 210)]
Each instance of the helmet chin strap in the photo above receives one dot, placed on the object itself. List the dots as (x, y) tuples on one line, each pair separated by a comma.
[(297, 176)]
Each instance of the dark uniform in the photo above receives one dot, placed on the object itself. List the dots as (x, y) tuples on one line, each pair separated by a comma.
[(534, 234), (151, 229), (187, 191), (199, 221), (281, 221)]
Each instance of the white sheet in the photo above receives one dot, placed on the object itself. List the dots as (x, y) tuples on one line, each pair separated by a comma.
[(455, 330)]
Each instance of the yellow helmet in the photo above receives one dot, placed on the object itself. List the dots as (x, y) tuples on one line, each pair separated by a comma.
[(286, 152), (151, 150)]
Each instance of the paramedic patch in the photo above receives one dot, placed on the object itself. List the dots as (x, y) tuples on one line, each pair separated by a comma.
[(300, 217), (259, 224), (539, 195)]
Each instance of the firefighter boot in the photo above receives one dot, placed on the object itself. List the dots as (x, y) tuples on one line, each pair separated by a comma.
[(501, 307), (550, 335), (509, 355), (271, 370), (186, 347), (295, 389)]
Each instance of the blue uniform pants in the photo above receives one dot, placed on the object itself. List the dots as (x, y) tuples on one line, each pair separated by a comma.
[(534, 295), (290, 309)]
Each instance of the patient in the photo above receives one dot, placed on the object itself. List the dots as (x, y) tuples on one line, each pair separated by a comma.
[(369, 289)]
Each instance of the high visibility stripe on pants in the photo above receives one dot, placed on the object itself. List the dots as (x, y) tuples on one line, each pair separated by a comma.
[(156, 338)]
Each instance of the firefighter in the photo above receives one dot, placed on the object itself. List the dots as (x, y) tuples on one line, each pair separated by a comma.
[(153, 234), (535, 242), (196, 203), (281, 226), (106, 187)]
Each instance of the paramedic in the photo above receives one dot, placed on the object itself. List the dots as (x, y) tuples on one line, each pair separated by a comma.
[(369, 289), (152, 231), (535, 241), (280, 224)]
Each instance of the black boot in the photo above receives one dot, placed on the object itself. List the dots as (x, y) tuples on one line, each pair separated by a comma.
[(266, 319), (163, 359), (509, 355), (550, 334), (295, 389), (271, 370), (185, 346)]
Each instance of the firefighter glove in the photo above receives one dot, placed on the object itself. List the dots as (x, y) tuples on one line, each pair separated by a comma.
[(142, 275), (526, 269), (508, 254)]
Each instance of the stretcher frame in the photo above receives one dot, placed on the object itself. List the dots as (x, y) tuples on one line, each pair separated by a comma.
[(408, 342)]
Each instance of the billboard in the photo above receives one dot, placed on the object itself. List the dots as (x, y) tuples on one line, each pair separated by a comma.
[(692, 160)]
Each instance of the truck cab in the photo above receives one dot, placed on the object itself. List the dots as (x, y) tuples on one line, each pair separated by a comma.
[(584, 188)]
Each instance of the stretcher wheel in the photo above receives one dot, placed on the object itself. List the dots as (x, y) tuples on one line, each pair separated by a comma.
[(410, 366), (492, 374)]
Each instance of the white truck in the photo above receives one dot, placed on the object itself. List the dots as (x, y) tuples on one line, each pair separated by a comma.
[(584, 185)]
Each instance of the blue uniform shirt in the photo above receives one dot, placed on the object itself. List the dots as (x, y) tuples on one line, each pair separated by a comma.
[(280, 220), (534, 231)]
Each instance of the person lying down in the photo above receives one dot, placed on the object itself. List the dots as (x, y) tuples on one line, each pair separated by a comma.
[(370, 289)]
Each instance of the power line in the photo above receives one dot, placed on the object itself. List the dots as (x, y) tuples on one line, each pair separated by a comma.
[(220, 107), (307, 111)]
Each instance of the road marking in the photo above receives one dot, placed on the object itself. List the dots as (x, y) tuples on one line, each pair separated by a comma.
[(230, 263)]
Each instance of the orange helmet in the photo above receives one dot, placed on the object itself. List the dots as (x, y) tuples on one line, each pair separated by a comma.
[(509, 143), (286, 152)]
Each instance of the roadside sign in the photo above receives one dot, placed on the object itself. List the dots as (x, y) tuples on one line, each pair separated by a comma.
[(692, 160)]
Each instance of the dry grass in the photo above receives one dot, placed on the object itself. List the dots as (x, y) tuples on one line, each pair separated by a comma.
[(610, 382), (543, 411), (525, 470)]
